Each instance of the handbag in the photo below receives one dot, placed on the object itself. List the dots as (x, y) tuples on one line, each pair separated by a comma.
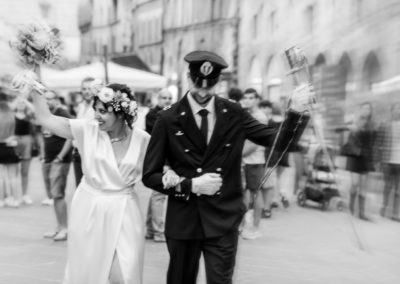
[(8, 155)]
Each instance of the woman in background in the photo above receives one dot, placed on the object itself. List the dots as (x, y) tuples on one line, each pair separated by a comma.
[(23, 132), (10, 186), (359, 149)]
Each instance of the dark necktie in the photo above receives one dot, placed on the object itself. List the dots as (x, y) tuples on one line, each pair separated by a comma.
[(204, 124)]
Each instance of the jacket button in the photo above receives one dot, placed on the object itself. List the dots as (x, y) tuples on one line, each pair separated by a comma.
[(187, 150), (219, 170), (199, 170), (228, 145)]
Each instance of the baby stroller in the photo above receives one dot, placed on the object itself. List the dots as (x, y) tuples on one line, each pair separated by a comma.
[(320, 185)]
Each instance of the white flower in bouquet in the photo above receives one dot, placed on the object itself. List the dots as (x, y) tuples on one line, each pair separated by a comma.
[(106, 95)]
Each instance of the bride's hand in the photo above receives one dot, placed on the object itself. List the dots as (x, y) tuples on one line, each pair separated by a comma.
[(26, 81), (170, 179)]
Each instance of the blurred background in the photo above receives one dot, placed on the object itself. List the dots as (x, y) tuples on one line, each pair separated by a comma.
[(353, 53), (351, 45)]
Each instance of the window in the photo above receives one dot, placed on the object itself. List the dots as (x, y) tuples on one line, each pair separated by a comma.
[(115, 10), (45, 9), (309, 15), (360, 9), (255, 26), (215, 9), (272, 19), (94, 48), (113, 44), (132, 42)]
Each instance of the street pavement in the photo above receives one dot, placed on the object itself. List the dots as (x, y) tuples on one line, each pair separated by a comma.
[(299, 245)]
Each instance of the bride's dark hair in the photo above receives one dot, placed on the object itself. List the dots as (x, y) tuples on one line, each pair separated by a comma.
[(129, 119)]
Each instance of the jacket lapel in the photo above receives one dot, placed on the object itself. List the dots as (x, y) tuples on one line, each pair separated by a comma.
[(221, 125), (188, 124)]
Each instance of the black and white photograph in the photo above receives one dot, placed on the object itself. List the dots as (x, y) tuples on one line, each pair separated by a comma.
[(199, 141)]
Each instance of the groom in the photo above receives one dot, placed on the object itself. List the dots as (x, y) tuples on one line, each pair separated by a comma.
[(201, 137)]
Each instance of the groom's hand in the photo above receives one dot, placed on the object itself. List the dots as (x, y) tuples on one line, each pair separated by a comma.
[(207, 184), (303, 98)]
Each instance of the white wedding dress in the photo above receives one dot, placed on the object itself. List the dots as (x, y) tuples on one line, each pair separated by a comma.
[(105, 217)]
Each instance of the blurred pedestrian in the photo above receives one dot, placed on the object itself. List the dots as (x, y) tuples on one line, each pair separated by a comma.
[(201, 138), (388, 154), (272, 187), (56, 162), (253, 159), (10, 182), (84, 111), (155, 220), (280, 161), (24, 114), (359, 152), (235, 95)]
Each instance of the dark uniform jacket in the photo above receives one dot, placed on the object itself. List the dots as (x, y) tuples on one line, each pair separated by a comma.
[(177, 139), (151, 118)]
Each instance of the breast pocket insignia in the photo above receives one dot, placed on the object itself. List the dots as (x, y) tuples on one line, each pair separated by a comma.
[(179, 133)]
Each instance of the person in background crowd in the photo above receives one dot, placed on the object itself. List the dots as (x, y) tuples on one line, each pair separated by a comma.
[(272, 194), (164, 99), (359, 152), (254, 165), (10, 182), (56, 161), (235, 95), (84, 111), (201, 137), (24, 114), (388, 154), (271, 184), (155, 219)]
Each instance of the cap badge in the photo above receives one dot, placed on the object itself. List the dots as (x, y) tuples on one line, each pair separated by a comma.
[(206, 68)]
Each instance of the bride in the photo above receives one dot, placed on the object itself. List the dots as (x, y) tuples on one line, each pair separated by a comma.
[(106, 230)]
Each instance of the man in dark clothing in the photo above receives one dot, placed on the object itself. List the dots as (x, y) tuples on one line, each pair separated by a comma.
[(164, 99), (202, 137), (157, 204), (56, 159), (235, 95)]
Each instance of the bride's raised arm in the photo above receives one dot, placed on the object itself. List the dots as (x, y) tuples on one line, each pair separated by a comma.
[(56, 124)]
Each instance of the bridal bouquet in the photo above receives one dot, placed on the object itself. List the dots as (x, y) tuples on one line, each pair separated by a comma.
[(37, 44)]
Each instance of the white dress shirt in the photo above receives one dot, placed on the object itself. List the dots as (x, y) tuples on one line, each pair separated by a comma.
[(211, 117), (85, 110), (258, 155)]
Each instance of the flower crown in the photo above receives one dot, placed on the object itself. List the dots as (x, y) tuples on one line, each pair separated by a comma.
[(117, 101)]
